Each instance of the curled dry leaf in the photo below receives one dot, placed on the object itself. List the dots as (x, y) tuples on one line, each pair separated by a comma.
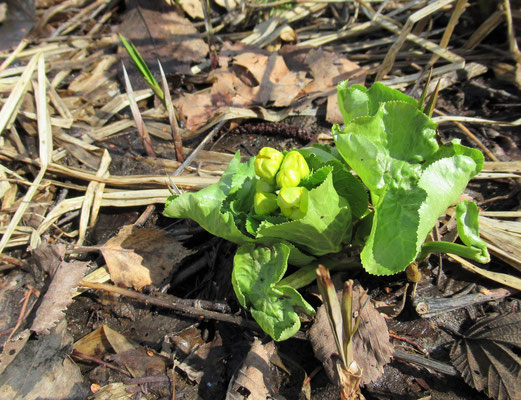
[(59, 295), (485, 358), (372, 349), (140, 257), (253, 375)]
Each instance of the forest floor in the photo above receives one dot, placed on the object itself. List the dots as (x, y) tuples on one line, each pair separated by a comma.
[(103, 296)]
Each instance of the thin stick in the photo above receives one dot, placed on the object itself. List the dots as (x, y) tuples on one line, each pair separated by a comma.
[(201, 145), (77, 354), (472, 137), (183, 309)]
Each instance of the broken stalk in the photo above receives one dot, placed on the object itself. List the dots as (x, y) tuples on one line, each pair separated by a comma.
[(141, 128), (343, 326), (178, 143)]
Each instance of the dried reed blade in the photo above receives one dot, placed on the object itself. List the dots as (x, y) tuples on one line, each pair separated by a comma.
[(11, 106), (45, 147), (22, 45), (504, 279), (457, 11), (90, 194), (332, 306), (141, 128), (390, 57), (171, 117)]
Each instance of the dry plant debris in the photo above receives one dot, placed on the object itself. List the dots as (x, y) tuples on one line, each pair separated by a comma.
[(141, 257), (372, 349), (486, 359), (68, 155)]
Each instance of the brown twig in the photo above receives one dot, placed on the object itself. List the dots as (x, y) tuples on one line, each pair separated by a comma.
[(77, 354), (23, 313), (178, 305), (408, 341), (472, 137)]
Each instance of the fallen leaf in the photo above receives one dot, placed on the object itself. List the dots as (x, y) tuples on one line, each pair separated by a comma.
[(58, 295), (253, 376), (250, 77), (200, 359), (48, 257), (140, 257), (19, 20), (485, 358), (175, 42), (192, 7), (12, 348), (371, 346), (42, 369)]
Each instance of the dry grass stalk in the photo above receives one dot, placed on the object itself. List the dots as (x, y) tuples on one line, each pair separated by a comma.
[(388, 62), (127, 198), (117, 104), (10, 108), (504, 279), (22, 45), (95, 189), (138, 119), (171, 117), (45, 147), (454, 18)]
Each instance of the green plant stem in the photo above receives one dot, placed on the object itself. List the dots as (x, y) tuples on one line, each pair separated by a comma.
[(451, 248), (307, 274)]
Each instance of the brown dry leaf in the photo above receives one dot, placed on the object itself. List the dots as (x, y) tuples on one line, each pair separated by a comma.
[(371, 346), (200, 359), (328, 69), (176, 41), (140, 362), (59, 295), (49, 257), (140, 257), (276, 82), (94, 344), (253, 376), (249, 76), (134, 358), (42, 370), (192, 7), (485, 359)]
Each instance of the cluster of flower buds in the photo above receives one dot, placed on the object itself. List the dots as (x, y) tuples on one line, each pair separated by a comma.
[(278, 184)]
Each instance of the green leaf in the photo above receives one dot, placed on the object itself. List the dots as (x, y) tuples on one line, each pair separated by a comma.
[(344, 181), (357, 101), (142, 66), (205, 206), (392, 142), (255, 277), (392, 147), (467, 214), (321, 230)]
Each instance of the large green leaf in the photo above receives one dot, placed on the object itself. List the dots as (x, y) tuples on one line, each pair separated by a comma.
[(392, 142), (392, 147), (345, 183), (357, 101), (324, 227), (206, 206), (255, 277)]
